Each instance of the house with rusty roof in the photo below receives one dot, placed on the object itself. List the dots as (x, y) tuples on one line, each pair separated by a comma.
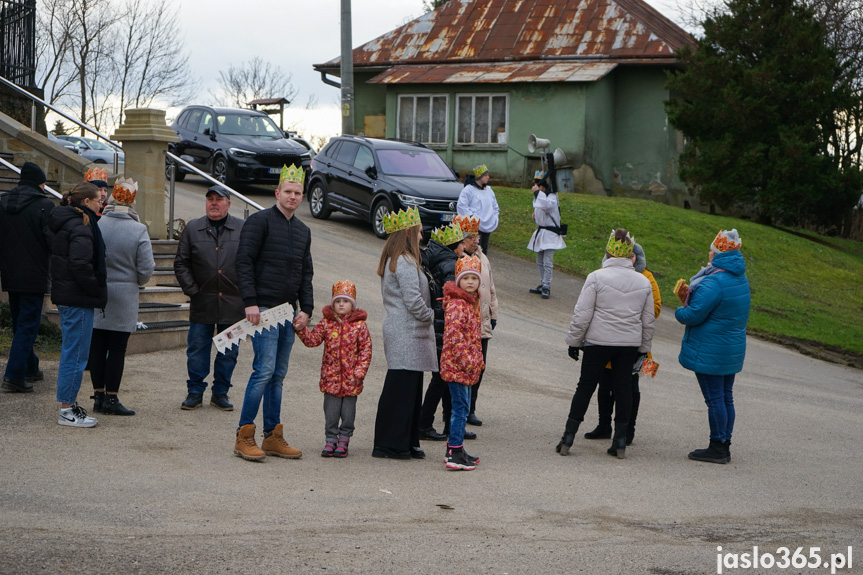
[(475, 78)]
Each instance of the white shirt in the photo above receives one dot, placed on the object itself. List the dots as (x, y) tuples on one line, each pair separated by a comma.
[(480, 203), (545, 213)]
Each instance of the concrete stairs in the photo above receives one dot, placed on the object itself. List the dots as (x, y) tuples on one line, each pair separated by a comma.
[(162, 307)]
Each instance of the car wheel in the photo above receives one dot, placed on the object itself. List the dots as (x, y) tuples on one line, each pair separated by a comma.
[(319, 203), (220, 170), (99, 161), (381, 209), (179, 175)]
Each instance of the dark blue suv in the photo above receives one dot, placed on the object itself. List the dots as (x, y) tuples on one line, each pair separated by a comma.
[(368, 178)]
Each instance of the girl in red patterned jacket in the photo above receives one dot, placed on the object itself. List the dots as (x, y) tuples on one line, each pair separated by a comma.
[(461, 360), (347, 354)]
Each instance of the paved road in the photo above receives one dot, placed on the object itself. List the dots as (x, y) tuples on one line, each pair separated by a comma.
[(161, 492)]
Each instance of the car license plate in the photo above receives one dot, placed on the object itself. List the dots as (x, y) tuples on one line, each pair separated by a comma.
[(446, 217), (275, 170)]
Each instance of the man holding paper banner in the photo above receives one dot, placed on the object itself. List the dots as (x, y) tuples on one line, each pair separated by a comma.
[(274, 267)]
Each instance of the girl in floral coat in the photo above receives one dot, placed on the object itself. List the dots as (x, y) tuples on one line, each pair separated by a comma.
[(347, 355), (461, 361)]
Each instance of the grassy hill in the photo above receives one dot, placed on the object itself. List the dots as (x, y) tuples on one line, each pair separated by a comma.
[(807, 290)]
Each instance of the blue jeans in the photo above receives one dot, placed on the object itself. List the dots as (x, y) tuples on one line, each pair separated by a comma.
[(77, 326), (26, 310), (200, 342), (460, 395), (720, 404), (269, 368)]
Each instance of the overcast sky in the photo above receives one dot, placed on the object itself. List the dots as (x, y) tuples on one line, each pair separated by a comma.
[(293, 35)]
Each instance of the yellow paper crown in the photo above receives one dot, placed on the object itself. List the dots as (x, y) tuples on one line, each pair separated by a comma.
[(292, 174), (402, 220), (467, 265), (619, 248), (539, 175), (345, 289), (125, 191), (97, 174), (725, 243), (452, 234), (479, 171), (468, 224)]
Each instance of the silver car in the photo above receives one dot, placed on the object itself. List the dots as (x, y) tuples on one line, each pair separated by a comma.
[(94, 150)]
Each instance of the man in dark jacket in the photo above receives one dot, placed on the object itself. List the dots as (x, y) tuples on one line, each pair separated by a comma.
[(205, 266), (24, 255), (274, 266)]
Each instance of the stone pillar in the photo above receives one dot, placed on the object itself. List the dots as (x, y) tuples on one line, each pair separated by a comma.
[(145, 138)]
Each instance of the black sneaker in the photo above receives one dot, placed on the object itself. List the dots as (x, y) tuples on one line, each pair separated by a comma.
[(536, 290), (431, 434), (456, 460), (16, 386), (220, 400), (468, 434), (193, 401), (470, 458), (546, 293)]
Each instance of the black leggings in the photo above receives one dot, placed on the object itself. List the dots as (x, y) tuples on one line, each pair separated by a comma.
[(107, 358), (594, 360)]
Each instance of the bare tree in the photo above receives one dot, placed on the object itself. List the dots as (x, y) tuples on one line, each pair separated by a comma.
[(253, 80), (54, 30)]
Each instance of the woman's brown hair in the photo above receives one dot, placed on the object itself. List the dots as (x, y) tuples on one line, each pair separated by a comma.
[(400, 243), (81, 192), (621, 235)]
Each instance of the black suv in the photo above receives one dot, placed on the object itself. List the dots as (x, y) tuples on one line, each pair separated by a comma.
[(369, 178), (235, 145)]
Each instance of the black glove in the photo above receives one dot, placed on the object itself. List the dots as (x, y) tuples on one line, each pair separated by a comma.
[(573, 353), (493, 323)]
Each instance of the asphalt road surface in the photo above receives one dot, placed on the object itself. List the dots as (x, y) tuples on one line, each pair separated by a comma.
[(161, 492)]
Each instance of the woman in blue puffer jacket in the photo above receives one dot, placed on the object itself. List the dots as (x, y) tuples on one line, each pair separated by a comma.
[(715, 313)]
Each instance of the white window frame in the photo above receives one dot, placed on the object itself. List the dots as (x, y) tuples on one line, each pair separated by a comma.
[(492, 136), (414, 119)]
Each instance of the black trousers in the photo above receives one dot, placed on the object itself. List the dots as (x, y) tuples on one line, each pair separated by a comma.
[(397, 422), (437, 392), (474, 389), (483, 241), (605, 399), (107, 358), (594, 360)]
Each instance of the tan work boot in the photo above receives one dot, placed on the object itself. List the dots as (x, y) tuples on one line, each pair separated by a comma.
[(246, 447), (274, 444)]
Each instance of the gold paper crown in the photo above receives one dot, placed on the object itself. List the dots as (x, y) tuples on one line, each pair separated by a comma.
[(292, 174), (468, 224), (479, 171), (467, 264), (402, 220), (345, 289), (619, 248), (723, 243), (452, 234), (539, 175), (125, 191), (96, 174)]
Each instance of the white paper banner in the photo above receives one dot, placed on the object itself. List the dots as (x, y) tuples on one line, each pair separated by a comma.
[(242, 329)]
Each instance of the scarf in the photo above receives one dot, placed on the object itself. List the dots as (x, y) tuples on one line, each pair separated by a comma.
[(120, 209), (707, 270)]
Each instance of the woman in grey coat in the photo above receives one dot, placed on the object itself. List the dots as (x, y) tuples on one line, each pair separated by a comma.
[(129, 259), (409, 342)]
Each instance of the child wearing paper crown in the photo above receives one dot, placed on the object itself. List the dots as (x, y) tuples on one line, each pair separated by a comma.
[(461, 360), (347, 355)]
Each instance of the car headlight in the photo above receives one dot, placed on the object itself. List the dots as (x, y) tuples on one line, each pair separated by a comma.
[(241, 153), (410, 200)]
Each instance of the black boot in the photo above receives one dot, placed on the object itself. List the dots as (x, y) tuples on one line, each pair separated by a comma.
[(600, 432), (618, 443), (98, 398), (715, 453), (630, 430), (112, 406), (568, 436), (728, 451)]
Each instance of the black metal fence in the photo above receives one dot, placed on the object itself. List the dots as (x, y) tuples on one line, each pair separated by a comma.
[(18, 41)]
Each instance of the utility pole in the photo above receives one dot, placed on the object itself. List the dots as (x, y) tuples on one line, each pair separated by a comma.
[(347, 70)]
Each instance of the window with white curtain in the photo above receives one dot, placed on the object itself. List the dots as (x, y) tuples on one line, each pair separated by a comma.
[(482, 118), (423, 118)]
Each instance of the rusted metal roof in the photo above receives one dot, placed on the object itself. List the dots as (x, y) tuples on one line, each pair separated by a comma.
[(510, 72), (469, 31)]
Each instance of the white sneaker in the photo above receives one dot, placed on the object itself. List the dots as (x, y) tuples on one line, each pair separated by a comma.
[(76, 416)]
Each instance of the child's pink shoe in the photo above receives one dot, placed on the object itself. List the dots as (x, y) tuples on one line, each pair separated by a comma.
[(329, 449), (342, 448)]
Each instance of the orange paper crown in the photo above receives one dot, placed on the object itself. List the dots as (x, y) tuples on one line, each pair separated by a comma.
[(467, 265), (96, 174), (724, 243), (468, 224), (125, 191), (345, 289)]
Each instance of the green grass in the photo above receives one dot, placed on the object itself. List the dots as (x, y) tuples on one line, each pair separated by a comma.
[(804, 286)]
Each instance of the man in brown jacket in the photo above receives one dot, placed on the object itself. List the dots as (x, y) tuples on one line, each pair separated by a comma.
[(205, 266)]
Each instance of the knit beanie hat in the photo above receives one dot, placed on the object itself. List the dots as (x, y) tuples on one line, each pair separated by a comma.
[(32, 174), (726, 241), (640, 261)]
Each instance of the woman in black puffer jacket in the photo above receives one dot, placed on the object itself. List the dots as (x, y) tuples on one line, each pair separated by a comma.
[(78, 286)]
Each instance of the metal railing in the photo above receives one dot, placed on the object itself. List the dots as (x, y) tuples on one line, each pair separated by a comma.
[(15, 169), (117, 147), (172, 169)]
